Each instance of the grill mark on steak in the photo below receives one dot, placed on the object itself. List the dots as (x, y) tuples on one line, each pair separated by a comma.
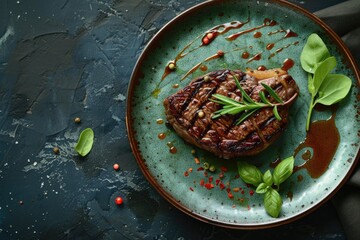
[(194, 92), (222, 136), (223, 87), (200, 125)]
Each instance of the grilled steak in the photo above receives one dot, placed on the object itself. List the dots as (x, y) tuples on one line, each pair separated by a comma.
[(190, 111)]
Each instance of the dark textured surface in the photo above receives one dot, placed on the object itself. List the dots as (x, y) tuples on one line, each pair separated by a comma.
[(65, 59)]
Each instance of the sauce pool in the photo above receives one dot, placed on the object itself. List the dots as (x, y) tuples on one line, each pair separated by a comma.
[(323, 138)]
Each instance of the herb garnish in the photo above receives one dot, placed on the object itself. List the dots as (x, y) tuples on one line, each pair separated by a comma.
[(247, 105), (85, 142), (325, 88), (267, 183)]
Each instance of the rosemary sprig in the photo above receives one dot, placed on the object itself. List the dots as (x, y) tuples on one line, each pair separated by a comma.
[(247, 106)]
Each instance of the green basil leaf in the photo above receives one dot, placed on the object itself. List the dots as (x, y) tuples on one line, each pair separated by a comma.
[(272, 202), (322, 71), (249, 173), (283, 170), (267, 178), (334, 88), (314, 52), (85, 142), (262, 188)]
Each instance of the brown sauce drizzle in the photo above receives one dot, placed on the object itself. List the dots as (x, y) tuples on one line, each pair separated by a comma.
[(221, 29), (275, 163), (256, 57), (216, 31), (167, 70), (275, 32), (193, 69), (282, 48), (267, 23), (288, 34), (323, 138), (219, 54)]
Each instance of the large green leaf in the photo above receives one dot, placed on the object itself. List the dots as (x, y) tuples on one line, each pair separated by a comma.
[(334, 89), (314, 52)]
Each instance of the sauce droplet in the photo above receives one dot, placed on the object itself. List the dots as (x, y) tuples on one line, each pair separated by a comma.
[(203, 68), (173, 150), (269, 22), (287, 64), (270, 46), (300, 178), (290, 195), (306, 155), (170, 67), (261, 68), (161, 136), (159, 121), (275, 163), (257, 34), (290, 33), (245, 55)]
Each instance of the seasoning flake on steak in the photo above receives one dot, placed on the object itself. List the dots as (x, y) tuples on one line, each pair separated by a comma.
[(190, 112)]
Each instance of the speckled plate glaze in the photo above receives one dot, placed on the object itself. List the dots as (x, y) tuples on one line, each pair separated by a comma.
[(177, 176)]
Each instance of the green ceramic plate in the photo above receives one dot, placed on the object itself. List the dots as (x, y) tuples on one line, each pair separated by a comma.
[(179, 176)]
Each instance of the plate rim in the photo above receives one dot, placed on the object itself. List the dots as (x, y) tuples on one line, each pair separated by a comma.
[(138, 157)]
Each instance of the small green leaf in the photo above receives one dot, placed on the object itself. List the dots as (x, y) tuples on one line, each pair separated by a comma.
[(283, 170), (272, 93), (85, 142), (322, 71), (249, 173), (272, 202), (276, 113), (267, 178), (314, 52), (262, 188), (334, 88)]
